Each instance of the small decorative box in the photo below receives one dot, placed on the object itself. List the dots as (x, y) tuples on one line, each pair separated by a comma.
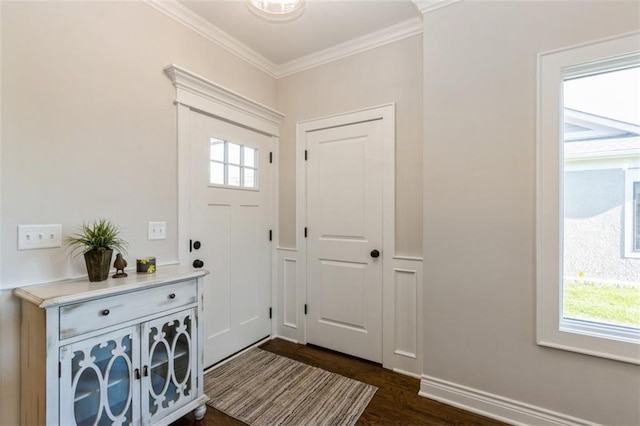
[(146, 264)]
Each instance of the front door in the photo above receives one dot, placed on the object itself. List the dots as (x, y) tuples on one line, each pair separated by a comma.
[(230, 222), (344, 239)]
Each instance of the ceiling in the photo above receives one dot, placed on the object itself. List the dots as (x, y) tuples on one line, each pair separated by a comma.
[(324, 24)]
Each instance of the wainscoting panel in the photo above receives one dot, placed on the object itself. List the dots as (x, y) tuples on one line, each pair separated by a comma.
[(289, 306), (402, 308), (289, 279), (406, 312), (402, 304)]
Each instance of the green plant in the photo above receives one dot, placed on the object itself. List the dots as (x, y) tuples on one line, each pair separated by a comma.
[(99, 234)]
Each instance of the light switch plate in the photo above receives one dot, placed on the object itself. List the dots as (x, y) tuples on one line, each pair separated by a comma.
[(32, 237), (157, 230)]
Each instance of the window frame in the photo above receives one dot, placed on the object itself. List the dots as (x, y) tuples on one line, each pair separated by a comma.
[(631, 223), (552, 330)]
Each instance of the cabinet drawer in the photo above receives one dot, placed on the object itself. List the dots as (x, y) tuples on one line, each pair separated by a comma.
[(84, 317)]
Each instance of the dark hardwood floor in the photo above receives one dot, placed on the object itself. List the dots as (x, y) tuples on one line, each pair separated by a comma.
[(395, 403)]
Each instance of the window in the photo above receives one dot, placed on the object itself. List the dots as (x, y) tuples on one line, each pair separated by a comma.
[(588, 287), (632, 213), (233, 164), (636, 207)]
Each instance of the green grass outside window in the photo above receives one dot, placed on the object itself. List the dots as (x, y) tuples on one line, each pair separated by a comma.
[(602, 303)]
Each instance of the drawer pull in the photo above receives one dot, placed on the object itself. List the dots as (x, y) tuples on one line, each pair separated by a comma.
[(172, 296), (106, 312), (145, 371), (137, 373)]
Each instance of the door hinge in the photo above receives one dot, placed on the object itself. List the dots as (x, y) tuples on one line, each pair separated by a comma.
[(59, 370), (270, 157), (270, 313), (270, 235), (305, 309), (190, 246), (306, 155), (305, 232)]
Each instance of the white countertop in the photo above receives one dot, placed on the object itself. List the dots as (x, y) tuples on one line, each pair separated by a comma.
[(71, 291)]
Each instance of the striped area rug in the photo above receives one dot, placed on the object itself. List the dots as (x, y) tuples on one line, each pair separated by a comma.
[(264, 389)]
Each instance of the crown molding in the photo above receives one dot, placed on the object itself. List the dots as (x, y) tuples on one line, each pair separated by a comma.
[(369, 41), (196, 23), (426, 6)]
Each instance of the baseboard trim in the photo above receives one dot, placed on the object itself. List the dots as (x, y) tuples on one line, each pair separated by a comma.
[(493, 406)]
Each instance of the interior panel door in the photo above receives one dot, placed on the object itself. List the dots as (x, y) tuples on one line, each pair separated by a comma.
[(344, 217)]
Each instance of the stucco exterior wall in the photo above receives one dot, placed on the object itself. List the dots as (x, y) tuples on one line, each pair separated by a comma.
[(594, 229)]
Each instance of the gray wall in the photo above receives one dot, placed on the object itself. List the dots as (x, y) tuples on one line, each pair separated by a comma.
[(480, 158), (594, 227)]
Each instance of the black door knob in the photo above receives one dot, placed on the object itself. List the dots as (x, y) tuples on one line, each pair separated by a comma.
[(198, 263), (375, 253), (197, 245)]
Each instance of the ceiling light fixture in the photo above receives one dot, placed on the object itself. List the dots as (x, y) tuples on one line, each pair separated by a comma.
[(277, 10)]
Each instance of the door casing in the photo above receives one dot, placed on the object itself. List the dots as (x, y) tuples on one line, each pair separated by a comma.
[(386, 113)]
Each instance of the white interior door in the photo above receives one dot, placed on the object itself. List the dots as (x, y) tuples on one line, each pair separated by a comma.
[(230, 218), (344, 218)]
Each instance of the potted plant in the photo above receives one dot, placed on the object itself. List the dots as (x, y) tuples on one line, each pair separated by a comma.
[(96, 241)]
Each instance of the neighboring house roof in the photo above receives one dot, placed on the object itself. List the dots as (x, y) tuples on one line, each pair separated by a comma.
[(589, 136), (618, 147), (580, 126)]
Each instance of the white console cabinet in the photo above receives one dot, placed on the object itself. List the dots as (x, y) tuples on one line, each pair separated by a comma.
[(124, 351)]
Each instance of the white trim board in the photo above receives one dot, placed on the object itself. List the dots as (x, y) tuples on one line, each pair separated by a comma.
[(206, 29), (493, 406), (201, 94), (393, 33), (196, 23)]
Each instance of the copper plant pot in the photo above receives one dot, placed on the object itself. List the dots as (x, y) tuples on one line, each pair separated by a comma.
[(98, 263)]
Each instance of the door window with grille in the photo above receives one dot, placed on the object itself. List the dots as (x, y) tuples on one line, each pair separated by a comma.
[(233, 164)]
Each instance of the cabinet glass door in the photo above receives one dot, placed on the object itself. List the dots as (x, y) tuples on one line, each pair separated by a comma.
[(168, 360), (97, 380)]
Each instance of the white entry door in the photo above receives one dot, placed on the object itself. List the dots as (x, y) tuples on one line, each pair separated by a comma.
[(344, 239), (230, 223)]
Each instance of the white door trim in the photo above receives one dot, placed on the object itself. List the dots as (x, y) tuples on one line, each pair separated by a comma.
[(387, 114), (196, 93)]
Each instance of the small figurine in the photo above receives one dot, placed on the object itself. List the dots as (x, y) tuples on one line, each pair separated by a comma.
[(120, 263)]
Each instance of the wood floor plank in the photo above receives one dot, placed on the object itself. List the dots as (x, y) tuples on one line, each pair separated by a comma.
[(395, 403)]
